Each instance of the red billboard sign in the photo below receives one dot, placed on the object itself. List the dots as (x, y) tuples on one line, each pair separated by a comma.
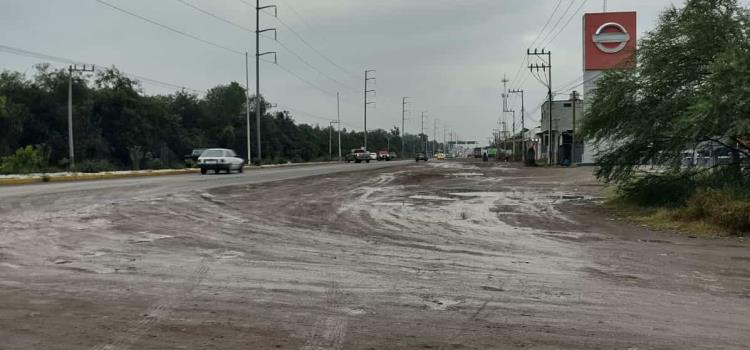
[(609, 39)]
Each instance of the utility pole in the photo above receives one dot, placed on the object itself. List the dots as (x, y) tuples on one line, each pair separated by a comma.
[(258, 54), (247, 108), (338, 120), (453, 143), (546, 66), (330, 139), (434, 137), (523, 126), (605, 5), (445, 141), (423, 134), (71, 149), (573, 133), (367, 79), (504, 95), (513, 138), (403, 124), (505, 136)]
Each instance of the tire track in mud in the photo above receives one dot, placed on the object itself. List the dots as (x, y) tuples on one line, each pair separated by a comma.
[(329, 330), (157, 312)]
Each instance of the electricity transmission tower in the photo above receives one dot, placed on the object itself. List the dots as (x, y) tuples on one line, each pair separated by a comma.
[(258, 54), (404, 102), (367, 93)]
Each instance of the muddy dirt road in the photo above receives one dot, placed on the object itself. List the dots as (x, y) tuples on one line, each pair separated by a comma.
[(452, 255)]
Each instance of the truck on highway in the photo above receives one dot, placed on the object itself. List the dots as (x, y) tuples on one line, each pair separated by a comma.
[(384, 154), (358, 155)]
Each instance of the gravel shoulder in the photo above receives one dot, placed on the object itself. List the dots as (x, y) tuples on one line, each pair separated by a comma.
[(450, 255)]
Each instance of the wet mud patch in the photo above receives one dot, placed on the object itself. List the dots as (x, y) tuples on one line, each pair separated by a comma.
[(418, 178), (615, 277)]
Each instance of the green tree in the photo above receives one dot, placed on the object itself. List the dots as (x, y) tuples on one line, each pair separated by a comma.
[(689, 88)]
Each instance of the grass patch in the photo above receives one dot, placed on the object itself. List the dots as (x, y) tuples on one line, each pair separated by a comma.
[(665, 219), (708, 213), (709, 204)]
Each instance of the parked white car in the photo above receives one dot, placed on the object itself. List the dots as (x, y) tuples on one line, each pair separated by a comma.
[(220, 159)]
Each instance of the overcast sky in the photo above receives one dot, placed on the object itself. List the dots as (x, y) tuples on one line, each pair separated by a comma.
[(449, 56)]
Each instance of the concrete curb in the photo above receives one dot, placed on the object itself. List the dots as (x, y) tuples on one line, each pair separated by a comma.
[(43, 178), (91, 176)]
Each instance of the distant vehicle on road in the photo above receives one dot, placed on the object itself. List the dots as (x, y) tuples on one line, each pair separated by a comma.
[(421, 156), (492, 152), (373, 155), (358, 155), (393, 155), (192, 159), (220, 159), (383, 155), (440, 156), (477, 152)]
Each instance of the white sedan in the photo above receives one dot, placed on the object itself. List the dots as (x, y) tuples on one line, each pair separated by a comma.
[(218, 159)]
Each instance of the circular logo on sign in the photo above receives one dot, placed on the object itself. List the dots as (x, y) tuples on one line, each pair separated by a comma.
[(611, 37)]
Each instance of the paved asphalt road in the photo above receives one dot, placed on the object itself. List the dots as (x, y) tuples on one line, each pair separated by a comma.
[(179, 183)]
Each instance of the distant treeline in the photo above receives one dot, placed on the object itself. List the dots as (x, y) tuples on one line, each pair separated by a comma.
[(117, 125)]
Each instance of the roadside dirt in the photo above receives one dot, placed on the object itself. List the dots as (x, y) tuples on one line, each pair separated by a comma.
[(450, 255)]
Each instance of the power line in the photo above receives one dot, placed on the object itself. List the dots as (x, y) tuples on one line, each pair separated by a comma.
[(27, 53), (524, 61), (220, 18), (299, 36), (300, 78), (307, 63), (278, 42), (594, 77), (558, 21), (171, 29), (302, 19), (311, 115), (568, 22), (59, 59), (546, 24)]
